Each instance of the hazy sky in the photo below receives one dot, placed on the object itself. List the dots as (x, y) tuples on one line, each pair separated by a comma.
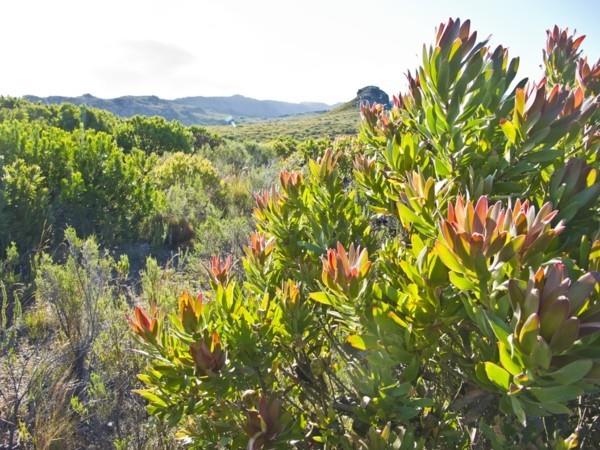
[(305, 50)]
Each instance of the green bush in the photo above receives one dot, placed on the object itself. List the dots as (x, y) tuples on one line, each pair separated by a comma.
[(154, 134), (183, 168), (203, 137), (66, 116), (429, 297), (52, 178), (24, 203)]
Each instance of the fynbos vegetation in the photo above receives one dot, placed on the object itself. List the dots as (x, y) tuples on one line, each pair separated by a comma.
[(431, 283), (442, 293)]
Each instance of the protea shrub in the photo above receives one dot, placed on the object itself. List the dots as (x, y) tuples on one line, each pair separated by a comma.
[(440, 292)]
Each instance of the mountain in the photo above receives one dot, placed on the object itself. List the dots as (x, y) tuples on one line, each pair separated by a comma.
[(367, 94), (192, 110)]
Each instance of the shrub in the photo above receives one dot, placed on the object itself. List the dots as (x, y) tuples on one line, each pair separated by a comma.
[(232, 156), (181, 168), (66, 116), (156, 134), (78, 293), (284, 146), (51, 178), (84, 384), (203, 137), (24, 203), (430, 297)]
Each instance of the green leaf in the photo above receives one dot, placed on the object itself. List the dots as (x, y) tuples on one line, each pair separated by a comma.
[(430, 116), (520, 102), (356, 341), (497, 375), (321, 297), (144, 379), (541, 355), (442, 168), (517, 407), (406, 215), (572, 373), (392, 315), (496, 438), (310, 247), (507, 361), (438, 272), (408, 441), (556, 408), (461, 282), (499, 328), (456, 44), (556, 394), (448, 258), (543, 156), (151, 397), (529, 333), (411, 371), (509, 130), (417, 244), (174, 415)]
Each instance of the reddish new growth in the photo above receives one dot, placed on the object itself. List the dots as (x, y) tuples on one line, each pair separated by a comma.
[(561, 40), (588, 77), (259, 246), (290, 181), (553, 307), (220, 269), (266, 198), (364, 164), (208, 355), (343, 269), (263, 425), (471, 230), (143, 324), (448, 33)]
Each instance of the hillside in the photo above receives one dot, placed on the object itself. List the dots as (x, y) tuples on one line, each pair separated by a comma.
[(305, 126), (343, 119), (192, 110)]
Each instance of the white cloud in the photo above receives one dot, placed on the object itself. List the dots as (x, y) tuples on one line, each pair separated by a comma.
[(154, 55)]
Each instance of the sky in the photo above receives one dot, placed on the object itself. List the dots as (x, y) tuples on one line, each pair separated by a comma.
[(291, 50)]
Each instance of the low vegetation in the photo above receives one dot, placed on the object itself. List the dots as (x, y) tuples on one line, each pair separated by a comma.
[(331, 124)]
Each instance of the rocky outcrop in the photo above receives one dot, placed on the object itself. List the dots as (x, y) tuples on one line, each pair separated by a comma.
[(371, 94)]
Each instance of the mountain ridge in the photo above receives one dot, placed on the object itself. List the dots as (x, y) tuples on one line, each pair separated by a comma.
[(193, 110)]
